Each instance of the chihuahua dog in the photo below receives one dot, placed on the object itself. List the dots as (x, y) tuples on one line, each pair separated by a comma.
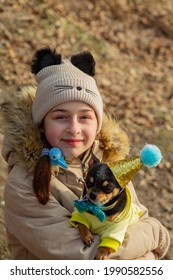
[(107, 208), (102, 190)]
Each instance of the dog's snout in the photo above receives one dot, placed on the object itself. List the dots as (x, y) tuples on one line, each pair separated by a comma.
[(93, 195)]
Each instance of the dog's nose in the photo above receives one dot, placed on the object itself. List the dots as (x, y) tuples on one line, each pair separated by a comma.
[(93, 195)]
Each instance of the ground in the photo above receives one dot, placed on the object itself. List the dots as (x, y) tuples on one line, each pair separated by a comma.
[(132, 42)]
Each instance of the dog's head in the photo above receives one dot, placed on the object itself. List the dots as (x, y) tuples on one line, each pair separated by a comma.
[(101, 185)]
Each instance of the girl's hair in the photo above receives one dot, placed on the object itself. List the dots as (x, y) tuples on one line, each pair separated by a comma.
[(42, 175), (41, 180)]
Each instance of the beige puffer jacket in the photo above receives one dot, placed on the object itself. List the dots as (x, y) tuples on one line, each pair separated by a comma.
[(35, 231)]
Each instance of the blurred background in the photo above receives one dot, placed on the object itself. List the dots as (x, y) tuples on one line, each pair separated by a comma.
[(132, 43)]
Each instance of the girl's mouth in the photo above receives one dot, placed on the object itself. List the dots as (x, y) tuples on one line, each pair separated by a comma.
[(73, 142)]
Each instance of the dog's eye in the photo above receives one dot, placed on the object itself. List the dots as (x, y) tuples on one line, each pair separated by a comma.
[(108, 188)]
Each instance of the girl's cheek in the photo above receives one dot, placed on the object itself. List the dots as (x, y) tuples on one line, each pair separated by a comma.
[(50, 135)]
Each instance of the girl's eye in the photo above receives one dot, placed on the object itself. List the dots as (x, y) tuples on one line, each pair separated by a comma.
[(61, 117), (85, 117)]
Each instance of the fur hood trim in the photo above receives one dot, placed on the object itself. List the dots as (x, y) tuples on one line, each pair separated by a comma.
[(114, 140), (24, 137)]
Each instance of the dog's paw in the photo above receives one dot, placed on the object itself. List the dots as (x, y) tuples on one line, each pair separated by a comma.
[(103, 253), (86, 235), (88, 239)]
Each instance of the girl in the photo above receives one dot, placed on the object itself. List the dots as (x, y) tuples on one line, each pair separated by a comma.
[(64, 111)]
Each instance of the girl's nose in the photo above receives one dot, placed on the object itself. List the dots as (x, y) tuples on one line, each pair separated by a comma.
[(74, 127)]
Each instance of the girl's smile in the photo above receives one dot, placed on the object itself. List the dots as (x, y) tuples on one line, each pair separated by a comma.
[(72, 127), (72, 142)]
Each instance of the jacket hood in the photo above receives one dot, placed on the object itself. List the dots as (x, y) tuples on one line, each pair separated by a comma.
[(23, 137)]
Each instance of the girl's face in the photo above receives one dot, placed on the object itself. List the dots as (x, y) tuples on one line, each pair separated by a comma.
[(72, 127)]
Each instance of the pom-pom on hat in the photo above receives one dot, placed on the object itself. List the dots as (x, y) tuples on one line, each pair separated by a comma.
[(60, 80), (125, 170)]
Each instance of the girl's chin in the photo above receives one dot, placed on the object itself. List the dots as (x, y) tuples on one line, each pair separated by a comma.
[(73, 155), (70, 154)]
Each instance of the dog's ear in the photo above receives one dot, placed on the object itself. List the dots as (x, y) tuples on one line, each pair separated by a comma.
[(85, 62), (44, 57)]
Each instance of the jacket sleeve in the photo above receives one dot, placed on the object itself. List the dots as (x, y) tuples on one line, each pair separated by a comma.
[(146, 239), (44, 230)]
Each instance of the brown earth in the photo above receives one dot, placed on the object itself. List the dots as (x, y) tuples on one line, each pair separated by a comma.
[(132, 42)]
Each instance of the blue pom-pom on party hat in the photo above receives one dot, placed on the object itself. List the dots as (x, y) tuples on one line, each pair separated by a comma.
[(125, 170), (150, 155)]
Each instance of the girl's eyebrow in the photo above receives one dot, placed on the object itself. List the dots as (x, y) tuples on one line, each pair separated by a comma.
[(58, 110), (67, 111)]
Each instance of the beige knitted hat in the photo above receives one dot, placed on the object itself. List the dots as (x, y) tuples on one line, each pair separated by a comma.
[(63, 82)]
